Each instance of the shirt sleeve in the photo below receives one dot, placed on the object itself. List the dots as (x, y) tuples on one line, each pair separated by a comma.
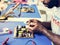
[(20, 1), (59, 2)]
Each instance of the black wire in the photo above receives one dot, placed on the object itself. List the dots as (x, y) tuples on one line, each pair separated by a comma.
[(0, 12), (20, 11), (31, 41)]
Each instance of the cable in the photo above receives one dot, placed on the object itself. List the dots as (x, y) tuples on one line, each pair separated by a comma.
[(20, 10), (33, 42), (5, 42)]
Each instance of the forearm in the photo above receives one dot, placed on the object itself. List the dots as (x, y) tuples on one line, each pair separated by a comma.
[(53, 37), (47, 25)]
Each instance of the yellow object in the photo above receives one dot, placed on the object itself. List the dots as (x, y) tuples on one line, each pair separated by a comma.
[(23, 29), (20, 31), (2, 17), (24, 10), (27, 9)]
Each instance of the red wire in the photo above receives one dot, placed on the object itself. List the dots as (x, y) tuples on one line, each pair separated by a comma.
[(5, 42)]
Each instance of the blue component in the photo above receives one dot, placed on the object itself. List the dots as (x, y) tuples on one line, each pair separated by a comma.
[(40, 39)]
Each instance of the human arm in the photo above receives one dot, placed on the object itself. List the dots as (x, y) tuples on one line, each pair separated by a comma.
[(35, 25)]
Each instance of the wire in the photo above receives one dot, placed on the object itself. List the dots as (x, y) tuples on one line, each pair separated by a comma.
[(20, 10), (33, 42)]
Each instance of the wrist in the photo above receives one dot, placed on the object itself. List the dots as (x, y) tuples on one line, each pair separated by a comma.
[(42, 29)]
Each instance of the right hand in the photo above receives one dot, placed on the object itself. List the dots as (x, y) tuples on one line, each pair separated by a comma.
[(34, 25)]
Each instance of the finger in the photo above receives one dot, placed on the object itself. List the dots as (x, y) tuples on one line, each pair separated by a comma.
[(28, 27), (34, 20), (31, 23), (32, 26), (29, 30), (31, 20), (28, 22)]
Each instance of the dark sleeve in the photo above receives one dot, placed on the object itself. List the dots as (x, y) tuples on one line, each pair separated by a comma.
[(59, 3), (53, 3), (47, 25)]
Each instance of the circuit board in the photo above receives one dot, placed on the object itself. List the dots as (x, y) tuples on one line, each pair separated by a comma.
[(22, 33), (27, 9)]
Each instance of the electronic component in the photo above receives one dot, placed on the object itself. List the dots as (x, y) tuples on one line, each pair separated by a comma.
[(22, 32), (27, 9), (31, 10), (5, 31), (24, 9)]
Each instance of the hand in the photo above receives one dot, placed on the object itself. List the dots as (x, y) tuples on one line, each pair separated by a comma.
[(34, 25)]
